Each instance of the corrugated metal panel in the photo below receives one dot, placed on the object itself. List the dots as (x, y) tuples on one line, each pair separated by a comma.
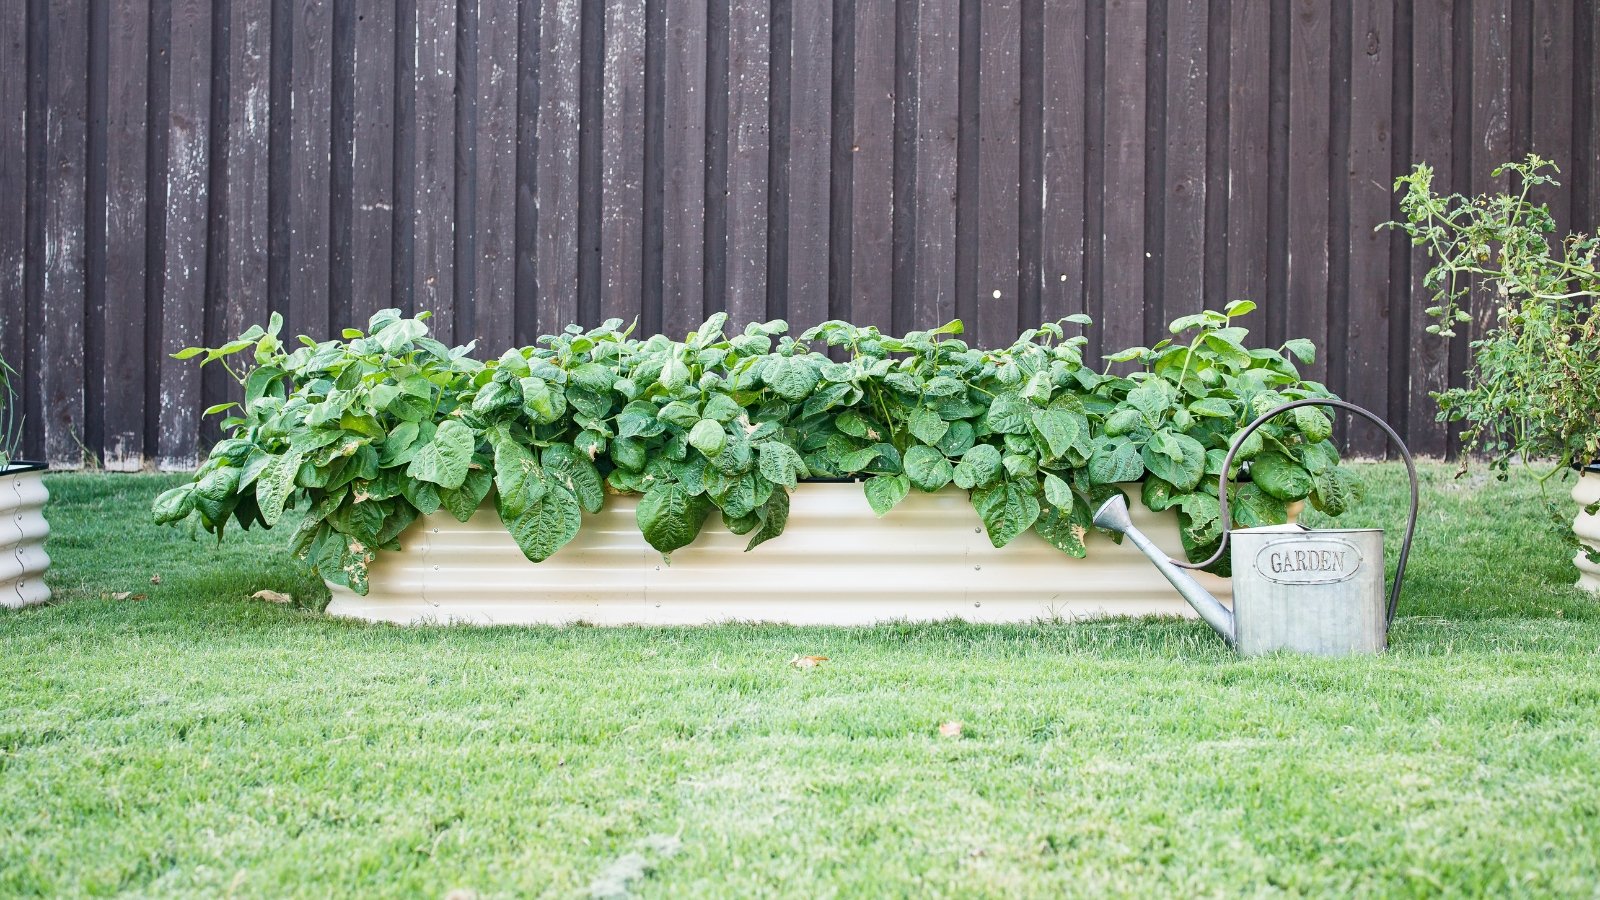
[(23, 530), (1587, 491), (836, 563)]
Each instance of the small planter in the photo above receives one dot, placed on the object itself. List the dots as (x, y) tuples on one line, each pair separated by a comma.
[(835, 564), (1587, 527), (23, 530)]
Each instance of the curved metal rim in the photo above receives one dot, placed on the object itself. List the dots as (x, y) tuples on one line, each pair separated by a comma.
[(1227, 464), (22, 467)]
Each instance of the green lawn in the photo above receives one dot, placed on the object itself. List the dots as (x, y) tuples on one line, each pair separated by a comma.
[(199, 742)]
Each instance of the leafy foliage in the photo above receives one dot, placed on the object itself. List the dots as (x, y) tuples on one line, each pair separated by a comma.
[(387, 424), (1531, 390)]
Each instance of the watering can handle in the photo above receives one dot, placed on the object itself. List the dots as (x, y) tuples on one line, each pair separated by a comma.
[(1227, 465)]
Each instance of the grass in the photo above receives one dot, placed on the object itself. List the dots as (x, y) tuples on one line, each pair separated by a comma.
[(197, 742)]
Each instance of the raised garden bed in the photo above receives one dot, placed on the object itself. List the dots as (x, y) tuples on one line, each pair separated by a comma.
[(836, 563), (1587, 528), (23, 530)]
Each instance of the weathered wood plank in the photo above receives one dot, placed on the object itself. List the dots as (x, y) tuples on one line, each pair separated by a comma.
[(183, 305), (1432, 127), (938, 61), (1491, 121), (622, 187), (1248, 73), (683, 169), (372, 161), (1552, 111), (749, 95), (872, 160), (1000, 87), (1184, 235), (13, 182), (1309, 174), (496, 167), (433, 230), (61, 343), (1368, 186), (810, 134), (560, 38), (127, 85), (1123, 238), (1061, 222), (311, 140)]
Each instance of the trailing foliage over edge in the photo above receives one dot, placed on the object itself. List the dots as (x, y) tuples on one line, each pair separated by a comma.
[(368, 432)]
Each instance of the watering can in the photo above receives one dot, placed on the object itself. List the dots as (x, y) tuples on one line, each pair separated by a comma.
[(1317, 591)]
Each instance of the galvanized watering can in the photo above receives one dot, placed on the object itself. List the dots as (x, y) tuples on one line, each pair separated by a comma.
[(1314, 591)]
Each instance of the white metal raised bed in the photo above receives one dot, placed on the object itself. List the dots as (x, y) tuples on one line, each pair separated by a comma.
[(1587, 527), (836, 564), (23, 530)]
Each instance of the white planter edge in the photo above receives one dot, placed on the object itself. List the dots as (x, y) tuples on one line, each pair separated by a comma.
[(23, 530), (1587, 528), (835, 564)]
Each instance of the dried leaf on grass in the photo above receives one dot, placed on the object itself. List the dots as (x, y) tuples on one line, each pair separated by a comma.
[(950, 730), (272, 597), (807, 662), (123, 595), (155, 579)]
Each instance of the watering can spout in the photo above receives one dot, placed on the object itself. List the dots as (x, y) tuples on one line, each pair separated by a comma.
[(1113, 515)]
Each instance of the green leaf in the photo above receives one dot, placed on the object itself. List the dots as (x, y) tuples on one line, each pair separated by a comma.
[(545, 525), (1319, 457), (1123, 421), (884, 491), (444, 460), (1061, 430), (1334, 491), (1065, 526), (1007, 510), (722, 408), (1280, 476), (1115, 460), (669, 517), (1313, 423), (543, 402), (567, 467), (791, 377), (1215, 407), (1176, 458), (1303, 350), (708, 437), (1252, 507), (275, 484), (173, 505), (774, 516), (979, 467), (1057, 492), (1157, 495), (927, 468), (958, 440), (1008, 414), (927, 425), (779, 463), (517, 477)]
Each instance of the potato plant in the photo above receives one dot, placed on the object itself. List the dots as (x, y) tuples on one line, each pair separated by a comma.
[(366, 433)]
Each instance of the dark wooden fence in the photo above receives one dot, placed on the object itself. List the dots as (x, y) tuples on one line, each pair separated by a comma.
[(173, 170)]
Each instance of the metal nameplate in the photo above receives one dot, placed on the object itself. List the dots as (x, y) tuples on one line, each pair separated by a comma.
[(1308, 560)]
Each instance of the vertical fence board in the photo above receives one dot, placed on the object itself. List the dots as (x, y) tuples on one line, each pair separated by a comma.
[(1183, 269), (13, 180), (622, 197), (122, 430), (560, 37), (372, 159), (749, 87), (1000, 88), (1309, 178), (61, 342), (1432, 125), (937, 61), (1491, 121), (1552, 111), (683, 169), (1061, 207), (1123, 239), (810, 133), (309, 167), (496, 167), (1368, 185), (433, 234), (872, 161), (1247, 155), (183, 303)]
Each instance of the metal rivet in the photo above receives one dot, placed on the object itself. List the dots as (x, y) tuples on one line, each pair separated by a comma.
[(436, 568), (977, 568), (976, 603)]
